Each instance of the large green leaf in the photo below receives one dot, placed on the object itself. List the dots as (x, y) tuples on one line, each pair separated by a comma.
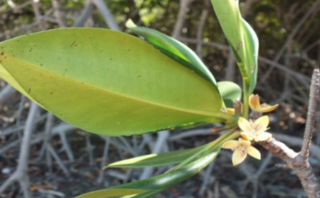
[(229, 92), (243, 40), (174, 49), (107, 82)]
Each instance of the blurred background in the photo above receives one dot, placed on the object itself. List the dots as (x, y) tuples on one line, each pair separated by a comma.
[(64, 161)]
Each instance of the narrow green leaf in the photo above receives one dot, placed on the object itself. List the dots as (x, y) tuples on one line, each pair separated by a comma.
[(229, 92), (160, 159), (171, 178), (148, 194), (243, 40), (113, 193), (230, 20), (174, 49), (252, 49), (107, 82), (183, 171)]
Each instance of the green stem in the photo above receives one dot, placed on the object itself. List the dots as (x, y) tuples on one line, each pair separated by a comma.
[(245, 99), (208, 147), (227, 117), (225, 137)]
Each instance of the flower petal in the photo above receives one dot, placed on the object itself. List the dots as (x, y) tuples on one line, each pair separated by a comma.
[(247, 135), (231, 144), (261, 124), (254, 152), (244, 142), (238, 157), (244, 124), (265, 136), (231, 111), (254, 102), (267, 108)]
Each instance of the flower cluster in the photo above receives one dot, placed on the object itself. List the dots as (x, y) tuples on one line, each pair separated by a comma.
[(250, 131)]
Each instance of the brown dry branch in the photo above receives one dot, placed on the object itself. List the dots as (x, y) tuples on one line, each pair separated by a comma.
[(299, 161)]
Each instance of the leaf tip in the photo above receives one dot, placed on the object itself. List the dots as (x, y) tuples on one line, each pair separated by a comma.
[(130, 24)]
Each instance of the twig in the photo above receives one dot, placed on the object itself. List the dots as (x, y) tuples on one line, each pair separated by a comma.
[(162, 138), (191, 133), (58, 160), (6, 94), (115, 142), (22, 102), (206, 179), (84, 14), (312, 109), (246, 8), (35, 6), (295, 30), (89, 149), (49, 148), (62, 130), (210, 44), (181, 17), (20, 175), (59, 15), (299, 161), (51, 192), (216, 189), (145, 140), (256, 177), (200, 28), (127, 145), (303, 78), (46, 142), (104, 159), (104, 10)]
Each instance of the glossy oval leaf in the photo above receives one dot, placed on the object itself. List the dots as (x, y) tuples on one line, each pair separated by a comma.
[(107, 82), (174, 49), (229, 92)]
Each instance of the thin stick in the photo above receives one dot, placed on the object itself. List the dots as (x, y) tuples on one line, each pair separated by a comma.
[(105, 12), (84, 14), (184, 4), (20, 174), (299, 161), (162, 138), (312, 109)]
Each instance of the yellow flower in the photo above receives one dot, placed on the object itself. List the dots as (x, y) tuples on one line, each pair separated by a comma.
[(241, 149), (254, 103), (255, 130)]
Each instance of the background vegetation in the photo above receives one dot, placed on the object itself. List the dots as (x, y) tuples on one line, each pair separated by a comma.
[(289, 50)]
